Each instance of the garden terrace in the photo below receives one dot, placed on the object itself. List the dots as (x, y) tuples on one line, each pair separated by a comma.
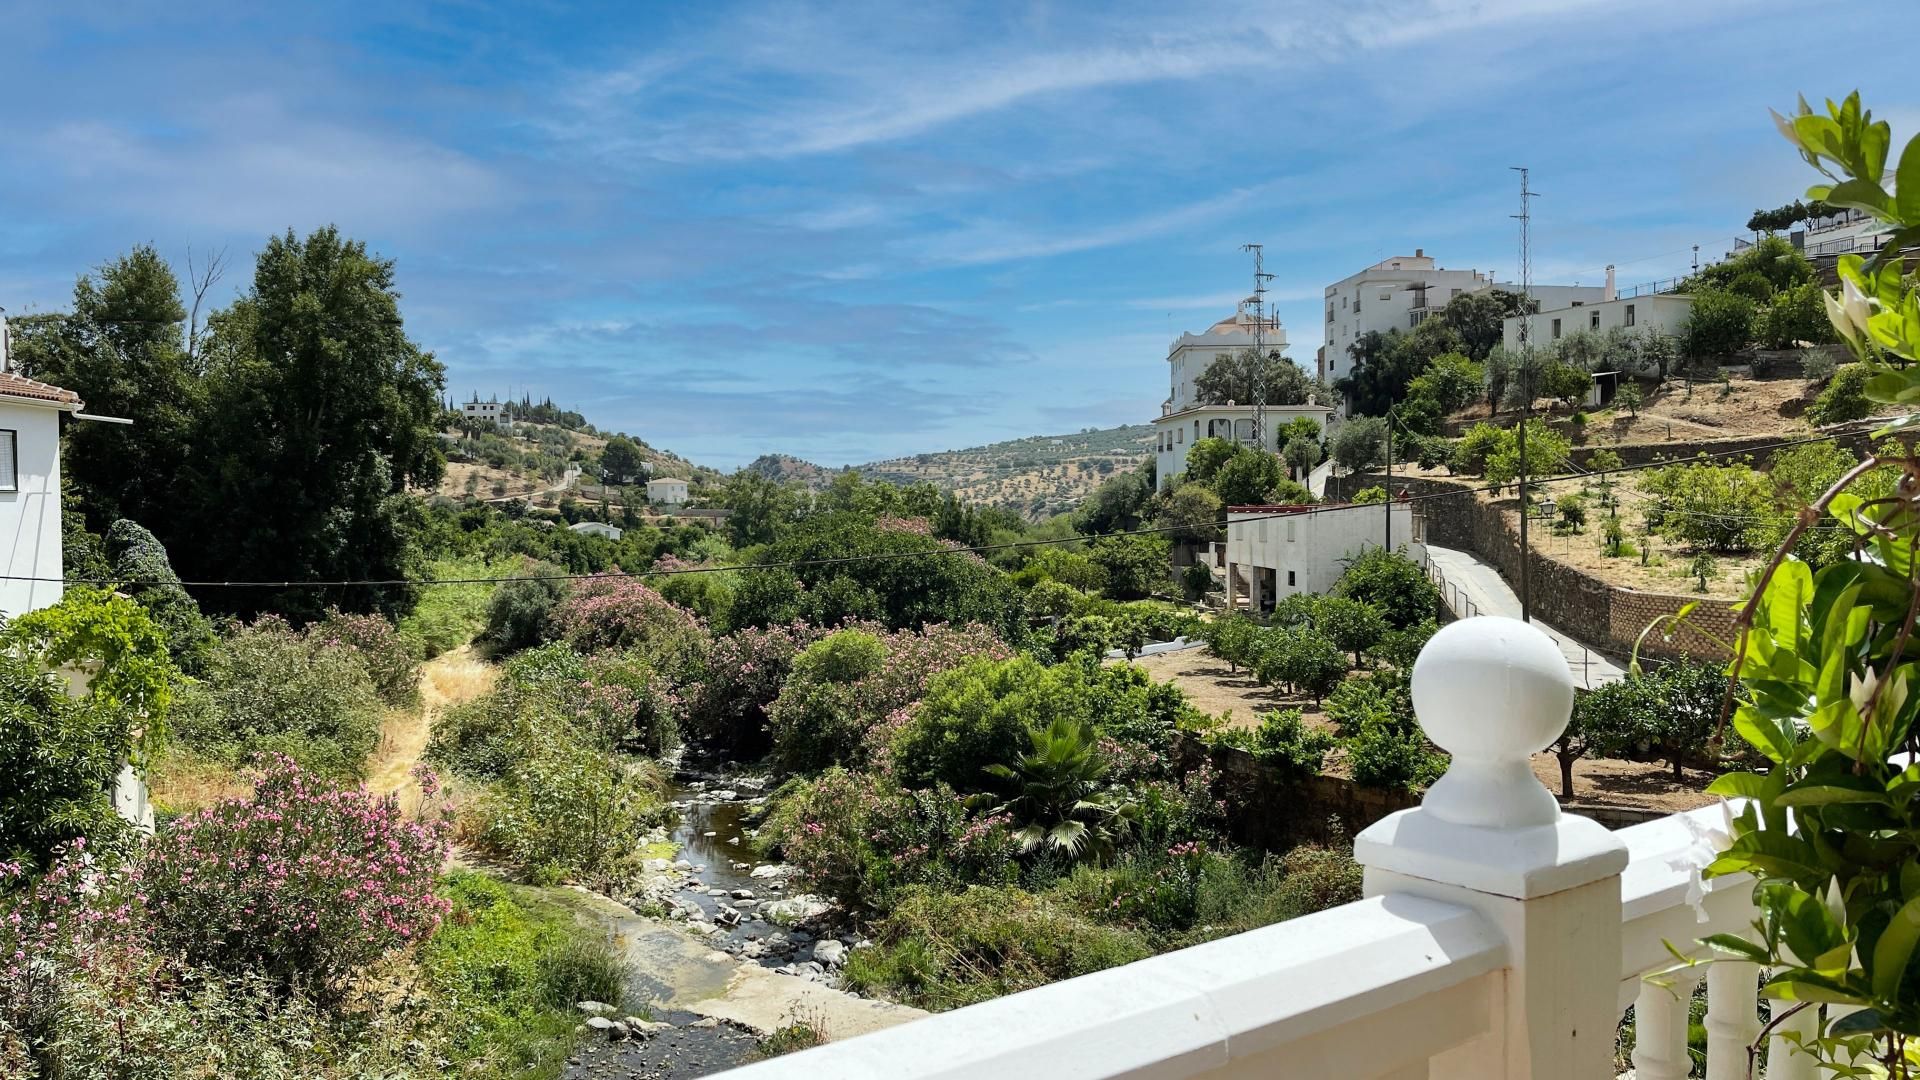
[(1499, 938)]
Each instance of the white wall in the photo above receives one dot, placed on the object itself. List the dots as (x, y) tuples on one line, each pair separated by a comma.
[(667, 491), (1662, 311), (1175, 435), (1312, 546), (30, 517), (1382, 298)]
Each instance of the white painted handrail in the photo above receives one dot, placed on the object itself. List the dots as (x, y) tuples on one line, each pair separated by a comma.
[(1365, 989)]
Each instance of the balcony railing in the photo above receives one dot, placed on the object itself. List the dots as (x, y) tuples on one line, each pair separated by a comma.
[(1500, 939)]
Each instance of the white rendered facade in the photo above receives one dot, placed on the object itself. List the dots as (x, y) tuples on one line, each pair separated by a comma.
[(1184, 421), (1282, 550), (667, 490), (1658, 311), (30, 494), (492, 412), (597, 528)]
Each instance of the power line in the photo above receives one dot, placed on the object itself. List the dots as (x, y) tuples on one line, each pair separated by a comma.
[(956, 549)]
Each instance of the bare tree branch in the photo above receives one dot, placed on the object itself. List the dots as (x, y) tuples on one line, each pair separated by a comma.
[(200, 280)]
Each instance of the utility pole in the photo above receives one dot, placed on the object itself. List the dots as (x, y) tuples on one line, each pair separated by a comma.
[(1389, 489), (1526, 368)]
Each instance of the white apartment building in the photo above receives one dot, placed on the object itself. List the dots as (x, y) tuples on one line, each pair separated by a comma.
[(1184, 421), (493, 412), (1282, 550), (1398, 293)]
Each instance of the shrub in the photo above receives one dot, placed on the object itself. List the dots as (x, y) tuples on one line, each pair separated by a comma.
[(975, 716), (448, 616), (1794, 316), (1845, 397), (1720, 508), (1369, 496), (1351, 625), (1379, 696), (1471, 452), (1360, 443), (1303, 658), (373, 641), (1284, 741), (608, 702), (1195, 581), (1248, 476), (520, 611), (1387, 754), (1572, 510), (1051, 599), (1718, 324), (1818, 365), (1134, 565), (267, 688), (140, 560), (624, 613), (564, 810), (1393, 585), (942, 950), (60, 757), (1400, 648), (743, 674), (304, 882)]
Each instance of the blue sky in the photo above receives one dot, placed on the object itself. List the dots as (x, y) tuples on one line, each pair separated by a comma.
[(847, 231)]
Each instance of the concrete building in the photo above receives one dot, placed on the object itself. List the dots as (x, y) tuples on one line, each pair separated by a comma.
[(492, 412), (1399, 293), (1184, 421), (596, 528), (30, 492), (667, 491), (1281, 550), (1656, 311)]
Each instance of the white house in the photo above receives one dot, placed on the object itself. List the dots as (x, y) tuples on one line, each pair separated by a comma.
[(492, 412), (1398, 293), (30, 491), (1657, 311), (1282, 550), (596, 528), (667, 491), (1184, 421)]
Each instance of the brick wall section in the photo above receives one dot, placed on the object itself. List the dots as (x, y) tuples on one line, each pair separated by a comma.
[(1591, 610)]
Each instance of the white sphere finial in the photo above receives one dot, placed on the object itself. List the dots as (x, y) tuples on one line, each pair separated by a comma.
[(1492, 691)]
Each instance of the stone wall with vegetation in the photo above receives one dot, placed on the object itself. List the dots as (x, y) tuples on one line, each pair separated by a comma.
[(1272, 811)]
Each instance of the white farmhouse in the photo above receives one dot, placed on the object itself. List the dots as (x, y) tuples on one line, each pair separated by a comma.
[(1655, 311), (667, 491), (30, 491), (492, 412), (1399, 293), (1281, 550), (1184, 421), (596, 528)]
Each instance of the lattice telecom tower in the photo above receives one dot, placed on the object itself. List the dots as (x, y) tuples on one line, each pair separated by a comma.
[(1259, 302)]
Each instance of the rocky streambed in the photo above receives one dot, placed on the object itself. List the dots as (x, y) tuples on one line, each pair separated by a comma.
[(741, 953)]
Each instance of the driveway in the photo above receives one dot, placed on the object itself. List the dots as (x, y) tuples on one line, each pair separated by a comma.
[(1479, 589)]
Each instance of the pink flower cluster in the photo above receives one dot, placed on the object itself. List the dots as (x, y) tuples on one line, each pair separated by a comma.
[(622, 612), (305, 881)]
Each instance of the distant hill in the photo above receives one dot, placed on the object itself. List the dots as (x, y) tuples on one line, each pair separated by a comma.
[(1037, 476), (531, 458), (787, 469)]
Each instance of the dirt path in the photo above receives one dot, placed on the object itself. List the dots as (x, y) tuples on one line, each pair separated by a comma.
[(446, 680)]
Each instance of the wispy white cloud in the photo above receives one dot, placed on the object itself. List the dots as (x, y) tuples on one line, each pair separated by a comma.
[(997, 241)]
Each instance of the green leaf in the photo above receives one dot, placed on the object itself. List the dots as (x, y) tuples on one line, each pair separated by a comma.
[(1738, 946), (1830, 794), (1775, 855), (1747, 785), (1807, 986), (1859, 1022), (1894, 949), (1859, 195), (1764, 734)]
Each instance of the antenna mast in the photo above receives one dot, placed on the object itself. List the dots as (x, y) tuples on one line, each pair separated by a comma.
[(1526, 364), (1259, 298)]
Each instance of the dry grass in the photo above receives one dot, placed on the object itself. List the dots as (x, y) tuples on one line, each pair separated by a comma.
[(448, 679), (182, 782)]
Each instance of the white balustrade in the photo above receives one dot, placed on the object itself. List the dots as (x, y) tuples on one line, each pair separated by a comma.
[(1500, 938)]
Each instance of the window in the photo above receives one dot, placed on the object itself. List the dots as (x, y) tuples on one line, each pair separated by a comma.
[(9, 461), (1196, 431), (1329, 312), (1386, 294), (1629, 314), (1556, 329), (1455, 292), (1289, 579), (1180, 436), (1594, 321), (1343, 303), (1289, 535)]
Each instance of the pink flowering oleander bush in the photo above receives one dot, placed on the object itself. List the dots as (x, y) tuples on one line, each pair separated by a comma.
[(610, 701), (861, 839), (376, 644), (743, 674), (625, 613), (843, 695), (305, 882)]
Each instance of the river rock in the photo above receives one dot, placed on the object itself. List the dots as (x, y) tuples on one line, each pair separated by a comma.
[(706, 1022), (647, 1029), (773, 872), (795, 909), (831, 953), (743, 894), (601, 1024), (656, 866), (595, 1008), (682, 865), (724, 795), (716, 893)]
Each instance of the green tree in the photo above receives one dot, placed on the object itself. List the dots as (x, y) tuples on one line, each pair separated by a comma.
[(1353, 626), (1193, 514), (1134, 565), (1206, 457), (1451, 381), (621, 463), (1566, 383), (1795, 316), (1059, 798), (1393, 585), (1249, 477), (1718, 324), (1117, 505), (60, 757), (1630, 397), (123, 350), (1360, 444), (1547, 453), (1302, 453), (1478, 318), (759, 510), (320, 415), (141, 567), (1232, 379)]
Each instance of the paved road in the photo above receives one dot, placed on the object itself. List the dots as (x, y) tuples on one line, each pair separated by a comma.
[(1480, 589)]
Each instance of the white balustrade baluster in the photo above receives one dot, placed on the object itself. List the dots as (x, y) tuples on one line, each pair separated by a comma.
[(1784, 1062), (1660, 1029), (1733, 1018)]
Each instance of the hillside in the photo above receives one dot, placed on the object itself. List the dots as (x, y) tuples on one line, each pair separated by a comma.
[(1036, 476), (787, 469), (533, 457)]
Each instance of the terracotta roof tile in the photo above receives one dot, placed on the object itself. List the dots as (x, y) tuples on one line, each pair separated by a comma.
[(16, 386)]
